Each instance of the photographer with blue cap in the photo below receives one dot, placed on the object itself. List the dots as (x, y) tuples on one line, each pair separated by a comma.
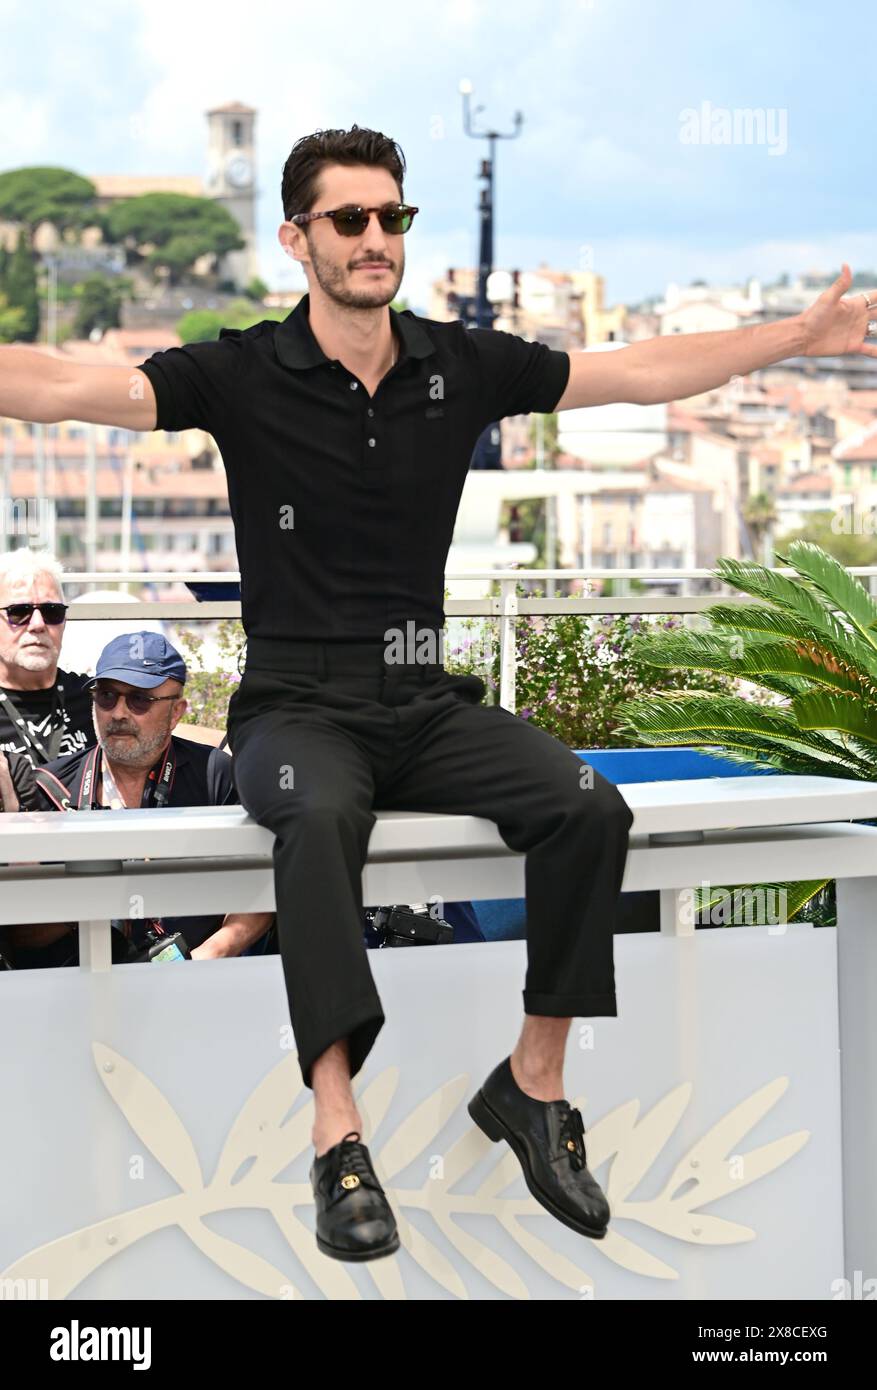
[(138, 761)]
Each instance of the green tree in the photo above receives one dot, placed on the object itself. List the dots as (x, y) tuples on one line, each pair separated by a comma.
[(760, 517), (46, 193), (848, 548), (20, 288), (547, 425), (203, 325), (256, 289), (11, 321), (200, 326), (100, 304), (171, 231)]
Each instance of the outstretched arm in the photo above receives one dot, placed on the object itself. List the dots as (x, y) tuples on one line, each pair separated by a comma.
[(37, 387), (673, 367)]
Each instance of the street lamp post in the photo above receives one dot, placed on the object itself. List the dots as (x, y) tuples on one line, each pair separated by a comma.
[(479, 314)]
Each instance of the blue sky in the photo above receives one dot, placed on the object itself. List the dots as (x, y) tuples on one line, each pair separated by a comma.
[(119, 87)]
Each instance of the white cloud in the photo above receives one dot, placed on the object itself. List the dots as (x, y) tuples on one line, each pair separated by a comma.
[(31, 119)]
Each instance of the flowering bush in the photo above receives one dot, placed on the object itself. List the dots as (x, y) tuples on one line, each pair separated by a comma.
[(574, 670), (209, 691)]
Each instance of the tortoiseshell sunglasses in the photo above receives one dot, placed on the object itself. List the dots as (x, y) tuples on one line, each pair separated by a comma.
[(351, 220)]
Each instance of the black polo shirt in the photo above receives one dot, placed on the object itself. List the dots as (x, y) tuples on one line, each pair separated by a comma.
[(344, 504)]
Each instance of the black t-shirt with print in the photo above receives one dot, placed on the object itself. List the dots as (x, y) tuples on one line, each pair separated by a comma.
[(64, 711)]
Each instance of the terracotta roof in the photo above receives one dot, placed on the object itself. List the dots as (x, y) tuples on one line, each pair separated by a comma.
[(126, 337), (71, 483), (856, 413), (727, 440), (233, 107), (134, 185), (117, 345), (681, 420), (557, 277), (862, 445), (62, 449), (667, 483), (808, 482)]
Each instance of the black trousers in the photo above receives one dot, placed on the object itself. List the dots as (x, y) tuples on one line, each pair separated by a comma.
[(325, 734)]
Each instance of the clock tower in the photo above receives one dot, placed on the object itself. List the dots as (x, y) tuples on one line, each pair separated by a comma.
[(231, 180)]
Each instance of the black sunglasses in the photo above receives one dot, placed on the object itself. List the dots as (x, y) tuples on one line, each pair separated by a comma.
[(106, 699), (20, 614), (352, 220)]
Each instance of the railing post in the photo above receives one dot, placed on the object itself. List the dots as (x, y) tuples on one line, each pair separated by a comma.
[(508, 607), (95, 949)]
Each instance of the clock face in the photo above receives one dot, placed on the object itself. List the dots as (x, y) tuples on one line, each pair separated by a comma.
[(239, 171)]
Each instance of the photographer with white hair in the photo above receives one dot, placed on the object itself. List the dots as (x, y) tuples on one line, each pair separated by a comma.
[(45, 713)]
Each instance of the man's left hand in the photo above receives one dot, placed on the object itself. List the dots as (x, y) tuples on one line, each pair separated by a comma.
[(835, 325), (8, 794)]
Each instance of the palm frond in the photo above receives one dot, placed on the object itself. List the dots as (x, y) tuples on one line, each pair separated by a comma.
[(820, 710), (766, 756), (778, 589), (784, 685), (748, 658), (729, 721), (796, 894), (847, 650), (841, 588), (820, 626)]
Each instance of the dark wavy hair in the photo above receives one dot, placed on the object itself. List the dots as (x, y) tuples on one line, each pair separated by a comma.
[(313, 153)]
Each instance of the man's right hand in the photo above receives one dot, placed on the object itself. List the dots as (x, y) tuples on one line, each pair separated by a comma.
[(37, 387)]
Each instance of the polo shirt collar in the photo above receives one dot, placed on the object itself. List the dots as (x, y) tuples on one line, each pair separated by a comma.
[(297, 347)]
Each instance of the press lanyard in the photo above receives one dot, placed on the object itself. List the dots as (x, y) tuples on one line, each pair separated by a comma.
[(156, 788), (156, 791), (57, 734)]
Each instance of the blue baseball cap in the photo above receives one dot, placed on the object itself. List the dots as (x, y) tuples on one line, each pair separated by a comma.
[(145, 659)]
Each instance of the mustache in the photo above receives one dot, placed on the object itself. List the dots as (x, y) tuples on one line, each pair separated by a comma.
[(119, 729)]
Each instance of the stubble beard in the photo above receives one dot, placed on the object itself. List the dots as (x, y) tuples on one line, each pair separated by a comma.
[(334, 281)]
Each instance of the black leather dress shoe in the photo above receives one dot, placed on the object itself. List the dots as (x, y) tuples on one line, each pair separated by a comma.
[(548, 1138), (354, 1219)]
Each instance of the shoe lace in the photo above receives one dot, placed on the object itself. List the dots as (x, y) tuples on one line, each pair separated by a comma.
[(348, 1157), (572, 1135)]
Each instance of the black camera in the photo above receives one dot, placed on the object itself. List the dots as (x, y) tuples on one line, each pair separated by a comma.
[(160, 946), (402, 926)]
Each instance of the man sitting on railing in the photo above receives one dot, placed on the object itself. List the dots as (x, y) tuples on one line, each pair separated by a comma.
[(137, 761)]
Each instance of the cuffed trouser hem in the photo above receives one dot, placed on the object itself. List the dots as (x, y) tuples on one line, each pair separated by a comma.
[(359, 1024), (570, 1005)]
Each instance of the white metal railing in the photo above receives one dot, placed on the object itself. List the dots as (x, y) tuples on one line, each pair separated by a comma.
[(506, 606)]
